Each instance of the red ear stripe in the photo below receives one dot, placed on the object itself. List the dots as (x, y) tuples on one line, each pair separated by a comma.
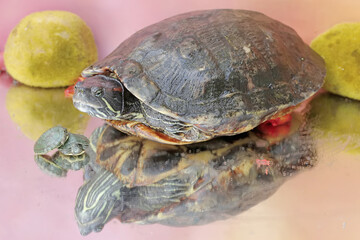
[(117, 89), (69, 92)]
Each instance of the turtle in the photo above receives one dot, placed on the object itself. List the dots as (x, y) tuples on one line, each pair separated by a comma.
[(199, 75), (70, 155), (141, 181)]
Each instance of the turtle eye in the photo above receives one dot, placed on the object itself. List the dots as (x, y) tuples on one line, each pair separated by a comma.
[(98, 92)]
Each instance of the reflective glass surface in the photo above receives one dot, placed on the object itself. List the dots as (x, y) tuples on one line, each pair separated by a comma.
[(303, 185)]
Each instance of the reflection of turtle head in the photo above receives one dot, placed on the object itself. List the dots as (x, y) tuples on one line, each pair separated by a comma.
[(98, 203), (100, 96)]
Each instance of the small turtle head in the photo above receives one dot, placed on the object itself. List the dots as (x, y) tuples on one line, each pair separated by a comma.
[(100, 96), (97, 202)]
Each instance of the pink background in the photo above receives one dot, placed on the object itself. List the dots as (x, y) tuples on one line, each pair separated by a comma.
[(319, 204)]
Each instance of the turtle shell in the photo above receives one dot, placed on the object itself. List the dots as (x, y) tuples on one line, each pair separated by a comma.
[(224, 71)]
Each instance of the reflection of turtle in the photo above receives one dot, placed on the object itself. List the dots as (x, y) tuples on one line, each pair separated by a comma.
[(199, 75), (147, 182), (71, 154)]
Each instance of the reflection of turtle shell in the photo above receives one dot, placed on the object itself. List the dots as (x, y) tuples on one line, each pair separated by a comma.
[(185, 185), (223, 71)]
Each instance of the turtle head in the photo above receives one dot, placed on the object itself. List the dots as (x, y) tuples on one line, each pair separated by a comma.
[(100, 96), (97, 202)]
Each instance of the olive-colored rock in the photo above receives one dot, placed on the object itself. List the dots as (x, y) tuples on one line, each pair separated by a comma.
[(340, 48), (49, 49)]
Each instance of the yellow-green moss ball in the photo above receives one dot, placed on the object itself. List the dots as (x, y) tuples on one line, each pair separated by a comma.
[(340, 48), (49, 49)]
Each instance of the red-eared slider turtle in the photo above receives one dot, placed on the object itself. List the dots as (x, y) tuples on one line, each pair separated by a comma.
[(147, 182), (199, 75), (70, 155)]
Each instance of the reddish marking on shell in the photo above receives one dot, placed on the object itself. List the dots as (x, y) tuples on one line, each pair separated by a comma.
[(117, 89), (141, 130), (69, 92)]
